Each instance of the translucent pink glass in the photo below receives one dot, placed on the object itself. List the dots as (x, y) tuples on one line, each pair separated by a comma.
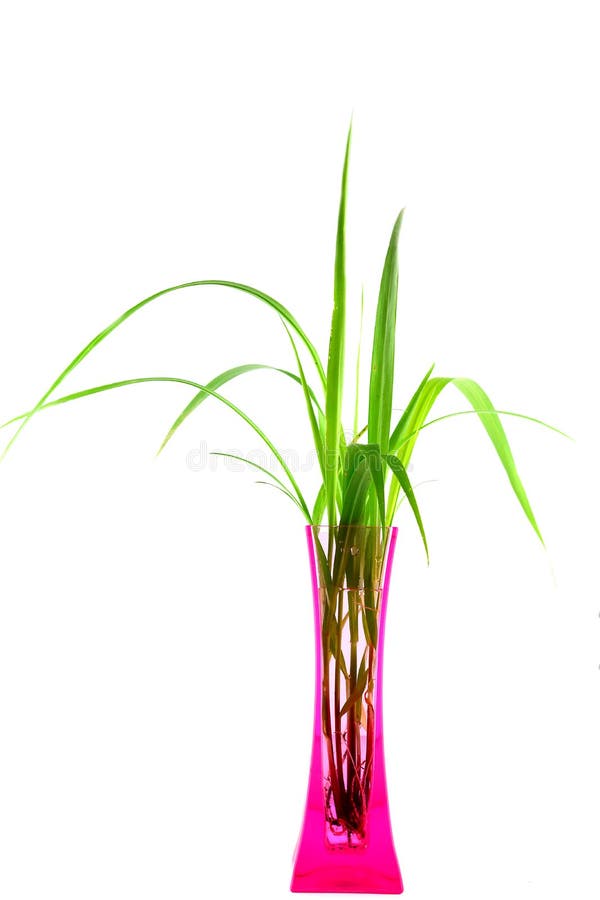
[(346, 843)]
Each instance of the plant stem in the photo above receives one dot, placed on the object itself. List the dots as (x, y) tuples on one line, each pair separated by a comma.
[(353, 770), (370, 727), (326, 712), (337, 701)]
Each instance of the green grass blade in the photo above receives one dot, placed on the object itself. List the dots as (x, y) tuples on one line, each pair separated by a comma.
[(356, 491), (359, 434), (361, 458), (319, 506), (77, 395), (370, 453), (384, 341), (406, 416), (218, 382), (317, 434), (374, 459), (335, 359), (102, 335), (402, 476), (201, 387), (492, 424), (489, 416), (279, 484), (488, 412), (356, 456), (414, 416), (266, 440), (255, 465), (287, 494), (357, 383)]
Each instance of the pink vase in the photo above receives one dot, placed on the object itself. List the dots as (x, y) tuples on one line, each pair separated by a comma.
[(346, 843)]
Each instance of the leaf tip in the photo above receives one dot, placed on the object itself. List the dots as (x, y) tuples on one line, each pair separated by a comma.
[(162, 446)]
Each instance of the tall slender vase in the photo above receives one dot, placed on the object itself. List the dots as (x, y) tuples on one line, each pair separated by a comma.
[(346, 842)]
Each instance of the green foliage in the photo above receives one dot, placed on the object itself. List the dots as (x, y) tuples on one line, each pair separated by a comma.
[(384, 347), (362, 483), (335, 359)]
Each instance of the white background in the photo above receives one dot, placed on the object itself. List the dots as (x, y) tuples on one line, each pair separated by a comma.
[(155, 621)]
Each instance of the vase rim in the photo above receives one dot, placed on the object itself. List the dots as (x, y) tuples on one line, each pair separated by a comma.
[(393, 529)]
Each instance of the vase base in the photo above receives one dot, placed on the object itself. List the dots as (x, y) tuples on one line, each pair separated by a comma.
[(345, 880)]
